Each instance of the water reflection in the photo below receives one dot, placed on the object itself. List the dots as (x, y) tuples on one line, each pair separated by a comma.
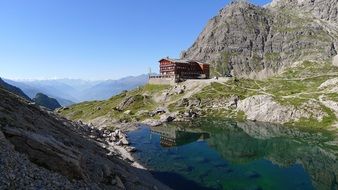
[(246, 142), (223, 154), (171, 136)]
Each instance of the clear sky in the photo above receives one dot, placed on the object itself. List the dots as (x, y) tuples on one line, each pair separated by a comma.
[(97, 39)]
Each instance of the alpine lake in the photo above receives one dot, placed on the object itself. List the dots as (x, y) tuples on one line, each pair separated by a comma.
[(213, 153)]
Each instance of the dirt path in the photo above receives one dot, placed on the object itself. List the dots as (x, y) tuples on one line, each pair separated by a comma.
[(194, 86), (306, 78)]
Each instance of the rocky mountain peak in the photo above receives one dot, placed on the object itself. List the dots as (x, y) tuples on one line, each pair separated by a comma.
[(250, 41), (321, 9)]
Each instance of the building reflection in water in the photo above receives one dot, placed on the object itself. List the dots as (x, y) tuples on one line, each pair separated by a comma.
[(172, 136)]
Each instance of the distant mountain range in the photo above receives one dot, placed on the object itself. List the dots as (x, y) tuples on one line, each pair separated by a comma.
[(70, 91)]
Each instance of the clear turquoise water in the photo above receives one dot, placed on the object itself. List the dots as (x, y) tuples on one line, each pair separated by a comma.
[(222, 154)]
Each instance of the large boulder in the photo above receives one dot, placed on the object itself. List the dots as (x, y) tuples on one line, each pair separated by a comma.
[(335, 61), (329, 83), (167, 118)]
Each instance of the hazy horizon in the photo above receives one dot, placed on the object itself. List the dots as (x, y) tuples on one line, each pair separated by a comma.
[(104, 40), (55, 79)]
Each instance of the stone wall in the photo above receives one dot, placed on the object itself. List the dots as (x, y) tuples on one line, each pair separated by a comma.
[(164, 81)]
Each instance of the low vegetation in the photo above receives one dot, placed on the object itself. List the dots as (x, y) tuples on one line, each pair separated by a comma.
[(295, 87), (142, 100)]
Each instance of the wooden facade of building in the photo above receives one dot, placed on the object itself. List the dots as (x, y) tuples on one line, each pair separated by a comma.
[(183, 69)]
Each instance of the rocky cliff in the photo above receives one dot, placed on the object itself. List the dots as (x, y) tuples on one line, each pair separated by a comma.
[(249, 41), (40, 150)]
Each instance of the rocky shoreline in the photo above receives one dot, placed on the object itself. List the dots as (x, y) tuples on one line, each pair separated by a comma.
[(116, 142), (41, 150)]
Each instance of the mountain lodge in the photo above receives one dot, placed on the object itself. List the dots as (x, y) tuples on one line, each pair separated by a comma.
[(180, 70)]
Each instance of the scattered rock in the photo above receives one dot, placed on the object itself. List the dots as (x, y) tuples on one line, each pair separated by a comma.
[(330, 104), (142, 112), (159, 110), (125, 103), (123, 141), (152, 122), (194, 102), (167, 118), (331, 82), (190, 114), (40, 150), (128, 112), (183, 102), (233, 100), (130, 149), (179, 90)]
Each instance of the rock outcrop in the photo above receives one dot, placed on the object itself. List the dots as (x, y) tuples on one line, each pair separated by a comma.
[(249, 41), (264, 108), (330, 104), (54, 154)]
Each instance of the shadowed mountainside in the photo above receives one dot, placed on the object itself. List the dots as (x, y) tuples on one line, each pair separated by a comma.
[(47, 102), (13, 89)]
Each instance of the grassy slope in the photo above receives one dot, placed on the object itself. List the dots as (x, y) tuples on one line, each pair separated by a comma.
[(293, 87), (87, 111)]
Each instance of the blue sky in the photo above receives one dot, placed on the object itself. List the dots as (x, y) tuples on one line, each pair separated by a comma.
[(97, 39)]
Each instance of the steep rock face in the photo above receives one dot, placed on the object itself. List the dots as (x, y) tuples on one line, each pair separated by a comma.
[(45, 101), (53, 146), (255, 42), (322, 9)]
